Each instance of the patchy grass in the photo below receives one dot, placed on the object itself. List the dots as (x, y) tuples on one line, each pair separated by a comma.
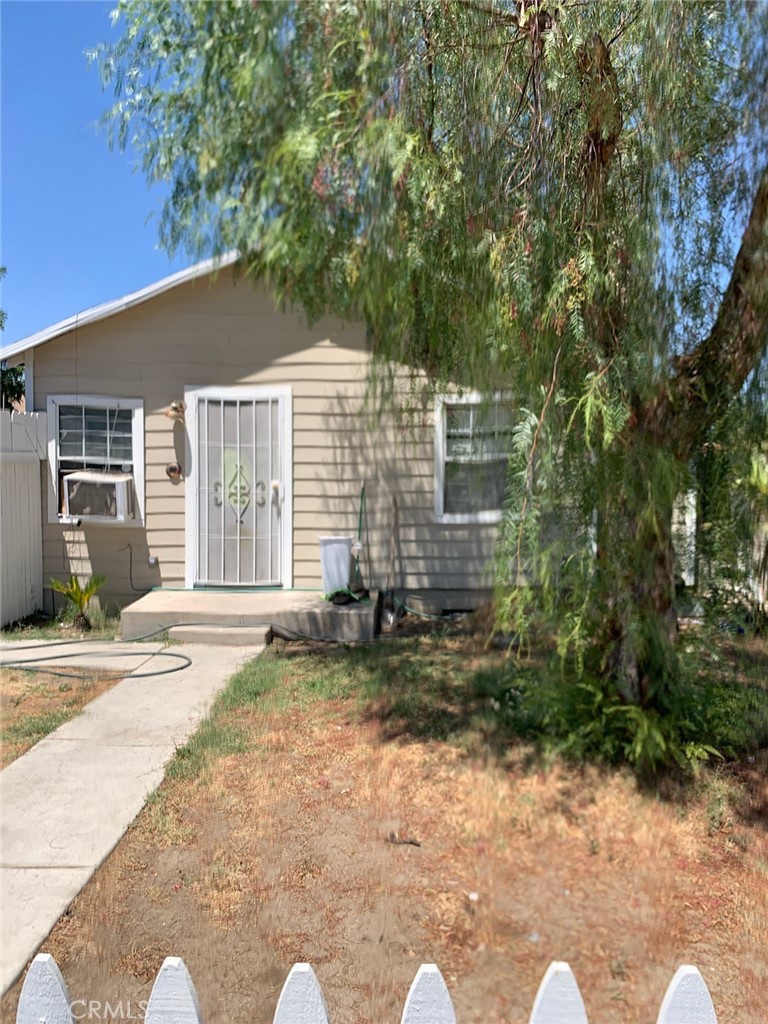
[(268, 843), (105, 626), (164, 820), (222, 734), (33, 704)]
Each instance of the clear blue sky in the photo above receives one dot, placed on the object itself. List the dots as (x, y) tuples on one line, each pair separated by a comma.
[(75, 229)]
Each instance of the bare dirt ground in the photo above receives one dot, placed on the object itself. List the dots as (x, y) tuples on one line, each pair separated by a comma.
[(281, 854), (33, 704)]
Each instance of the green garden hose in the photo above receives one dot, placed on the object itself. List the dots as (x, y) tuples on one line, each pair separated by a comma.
[(357, 576)]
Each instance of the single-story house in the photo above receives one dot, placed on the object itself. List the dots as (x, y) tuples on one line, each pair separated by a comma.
[(200, 437)]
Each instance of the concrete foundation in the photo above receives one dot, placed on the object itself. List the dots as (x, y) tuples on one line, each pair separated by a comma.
[(293, 614)]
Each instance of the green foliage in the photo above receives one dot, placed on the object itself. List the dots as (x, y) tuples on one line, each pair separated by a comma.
[(580, 718), (79, 596), (544, 200), (11, 385), (732, 483), (391, 169), (11, 377)]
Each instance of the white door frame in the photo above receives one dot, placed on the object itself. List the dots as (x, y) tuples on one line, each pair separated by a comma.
[(192, 394)]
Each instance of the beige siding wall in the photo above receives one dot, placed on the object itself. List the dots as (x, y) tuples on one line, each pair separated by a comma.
[(223, 333)]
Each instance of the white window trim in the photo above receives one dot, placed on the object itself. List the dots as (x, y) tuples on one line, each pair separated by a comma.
[(441, 516), (136, 405)]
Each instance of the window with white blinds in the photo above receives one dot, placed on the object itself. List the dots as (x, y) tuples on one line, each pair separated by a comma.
[(472, 446)]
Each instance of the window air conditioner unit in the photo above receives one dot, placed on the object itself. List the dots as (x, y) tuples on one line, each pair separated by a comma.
[(102, 496)]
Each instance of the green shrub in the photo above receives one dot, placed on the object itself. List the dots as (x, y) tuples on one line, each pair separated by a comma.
[(581, 719)]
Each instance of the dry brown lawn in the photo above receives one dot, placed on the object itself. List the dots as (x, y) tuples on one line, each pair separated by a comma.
[(33, 704), (279, 852)]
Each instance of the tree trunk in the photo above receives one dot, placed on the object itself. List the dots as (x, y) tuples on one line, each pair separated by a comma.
[(635, 638)]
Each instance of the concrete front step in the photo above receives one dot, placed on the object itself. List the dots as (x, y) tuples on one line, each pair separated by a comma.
[(289, 613), (224, 636)]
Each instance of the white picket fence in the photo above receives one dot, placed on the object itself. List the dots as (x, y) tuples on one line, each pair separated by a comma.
[(44, 998)]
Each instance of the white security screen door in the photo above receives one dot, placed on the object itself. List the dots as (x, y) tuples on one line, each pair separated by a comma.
[(240, 490)]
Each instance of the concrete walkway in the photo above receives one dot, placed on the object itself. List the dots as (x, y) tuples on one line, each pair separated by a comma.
[(67, 802)]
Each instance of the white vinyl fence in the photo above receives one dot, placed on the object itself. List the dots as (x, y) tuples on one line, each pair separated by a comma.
[(44, 998), (23, 440)]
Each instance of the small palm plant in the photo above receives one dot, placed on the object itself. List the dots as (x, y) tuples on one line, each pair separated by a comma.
[(78, 596)]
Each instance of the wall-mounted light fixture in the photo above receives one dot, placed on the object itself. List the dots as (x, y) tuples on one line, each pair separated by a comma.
[(173, 471), (175, 411)]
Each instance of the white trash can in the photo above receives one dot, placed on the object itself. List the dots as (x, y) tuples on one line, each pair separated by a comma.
[(335, 562)]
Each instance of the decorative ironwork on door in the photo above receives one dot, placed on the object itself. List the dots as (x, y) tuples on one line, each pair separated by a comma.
[(239, 497)]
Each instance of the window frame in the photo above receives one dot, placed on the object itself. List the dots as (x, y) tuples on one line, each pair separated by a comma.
[(136, 406), (441, 436)]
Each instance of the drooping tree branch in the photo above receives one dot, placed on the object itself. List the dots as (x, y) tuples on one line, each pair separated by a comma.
[(604, 119), (707, 379), (512, 15), (601, 98)]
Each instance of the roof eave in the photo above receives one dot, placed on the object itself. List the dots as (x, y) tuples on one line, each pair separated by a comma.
[(107, 309)]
